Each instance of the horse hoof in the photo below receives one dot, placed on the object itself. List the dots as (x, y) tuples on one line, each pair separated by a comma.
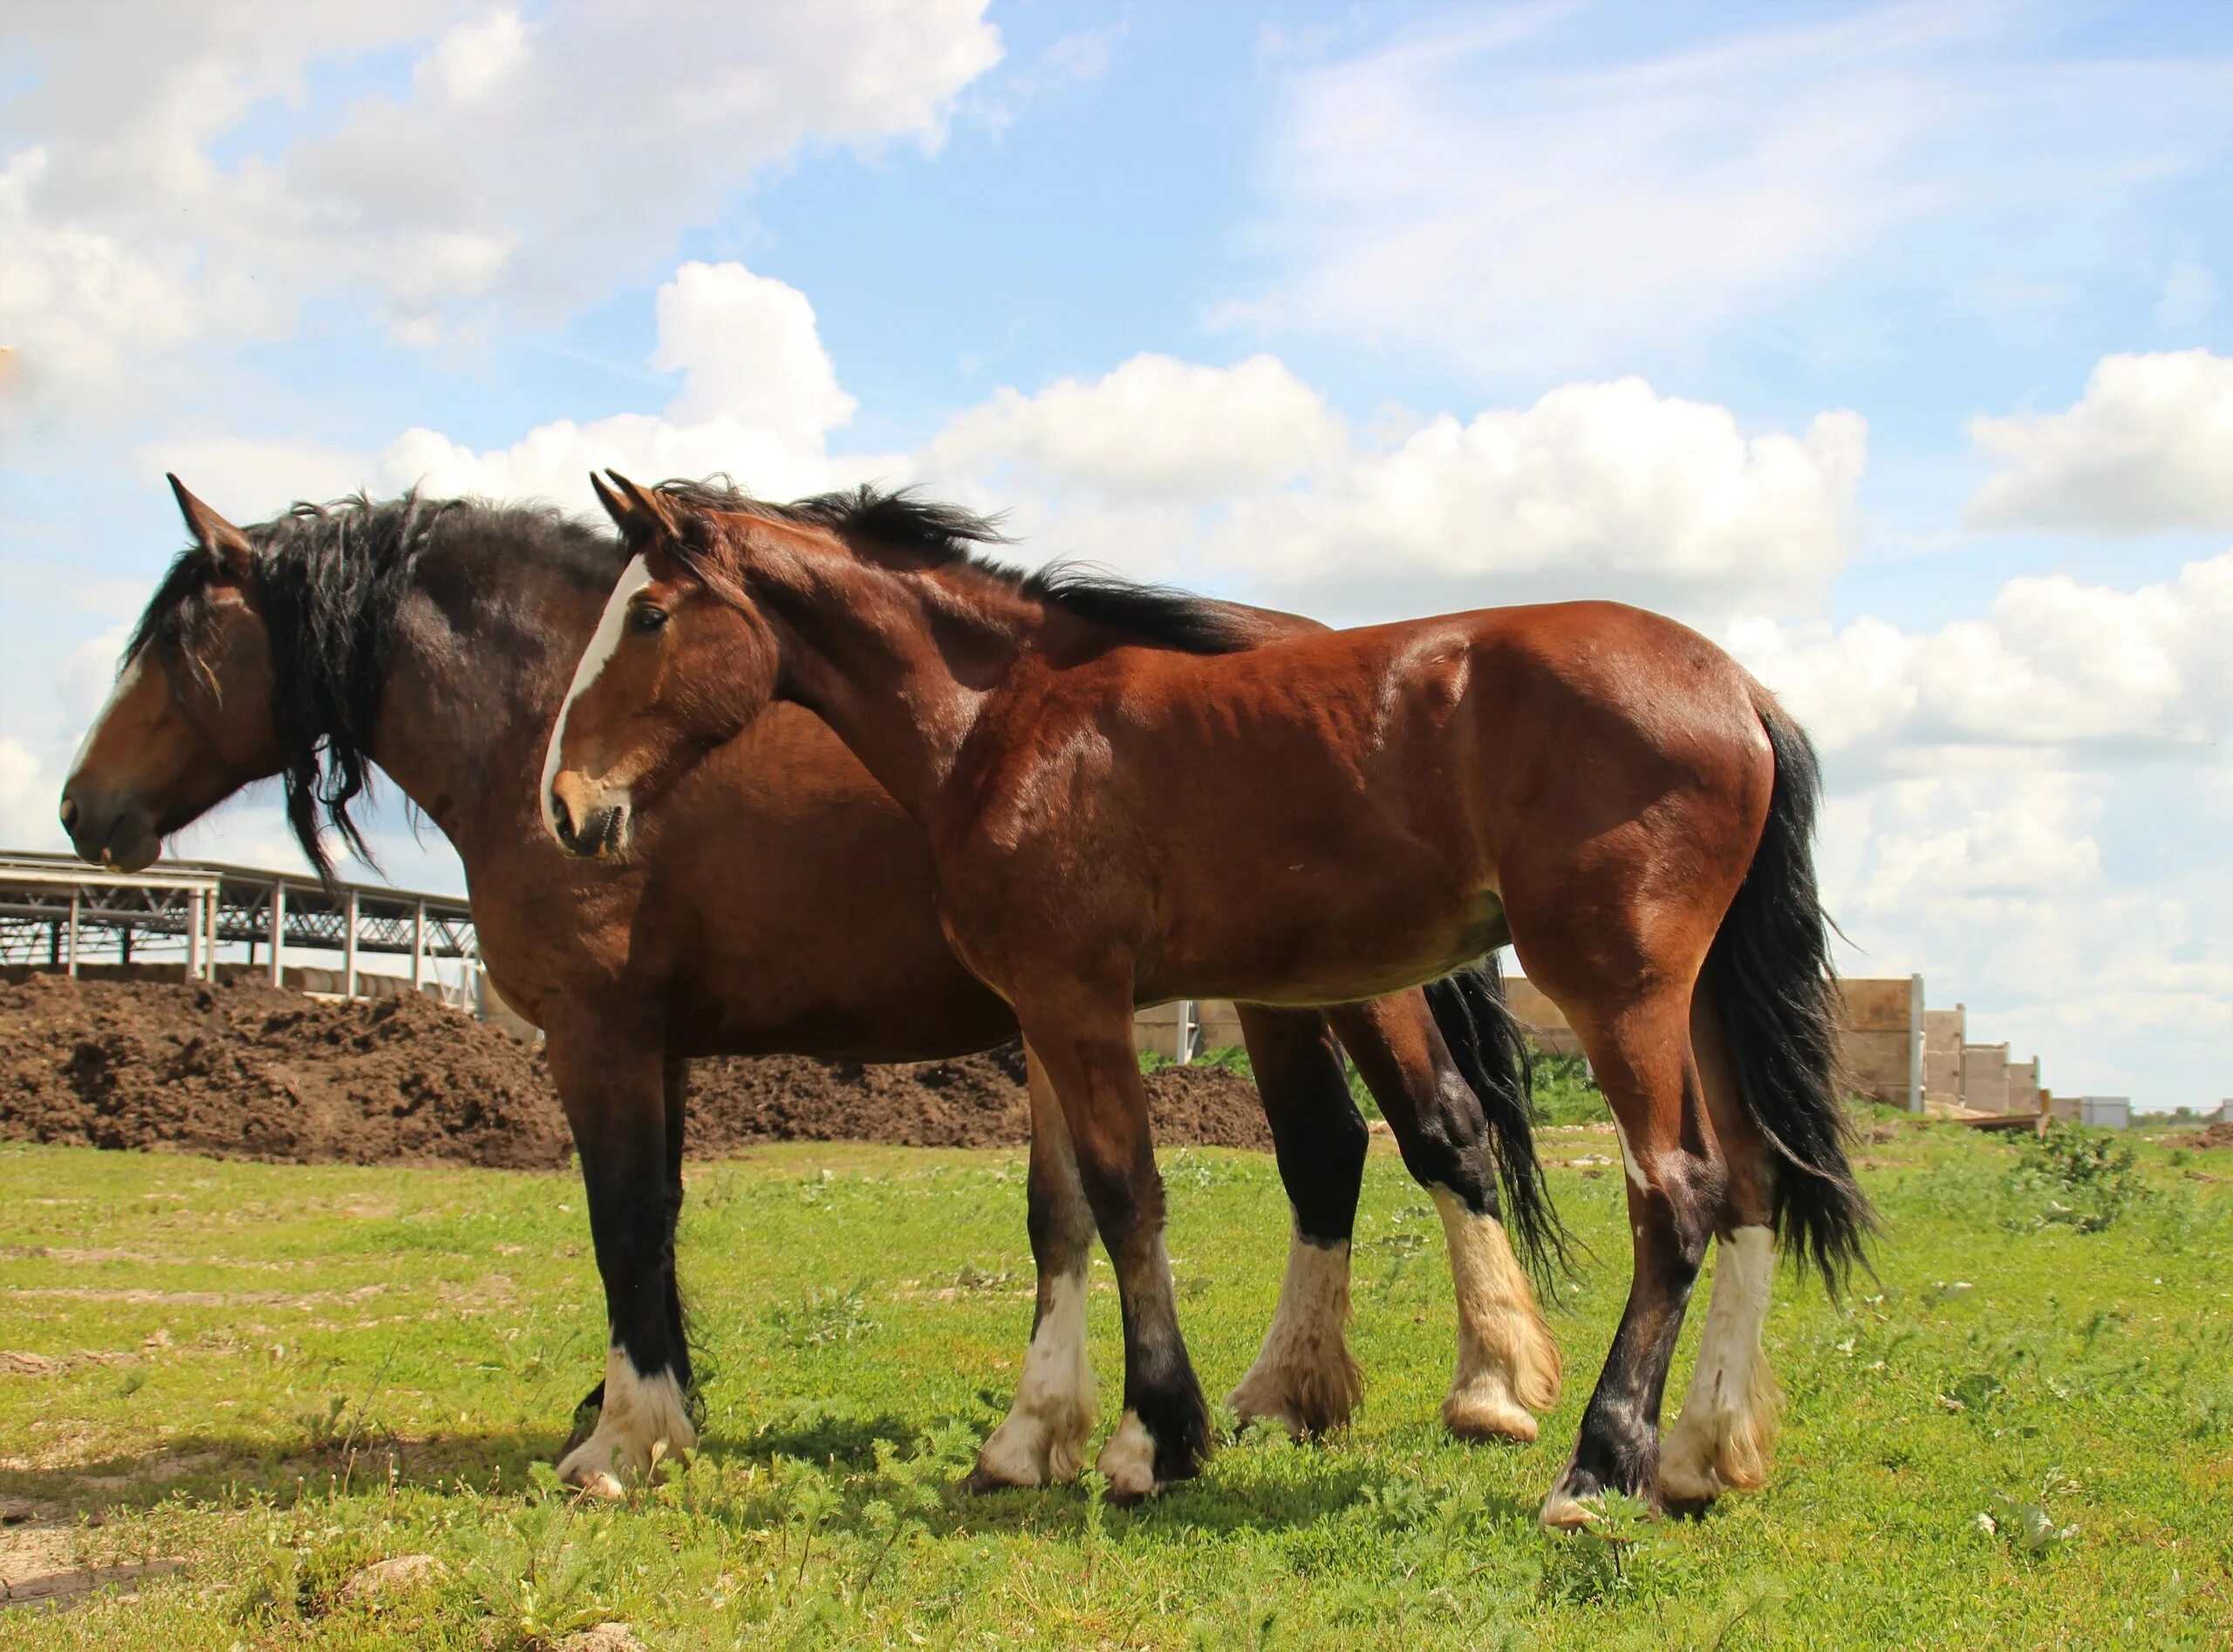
[(1489, 1417), (1564, 1512), (597, 1483), (1128, 1463)]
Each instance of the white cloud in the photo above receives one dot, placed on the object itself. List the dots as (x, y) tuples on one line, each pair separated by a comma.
[(748, 350), (759, 399), (532, 163), (1154, 426), (1244, 476), (1466, 190), (2145, 447), (29, 784), (2055, 664), (2026, 808)]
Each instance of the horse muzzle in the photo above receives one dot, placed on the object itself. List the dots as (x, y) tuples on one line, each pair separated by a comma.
[(592, 829), (122, 835)]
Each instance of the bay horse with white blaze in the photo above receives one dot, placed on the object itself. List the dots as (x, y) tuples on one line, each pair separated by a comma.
[(434, 639), (1128, 799)]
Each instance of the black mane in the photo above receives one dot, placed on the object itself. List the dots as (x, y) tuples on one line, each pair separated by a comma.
[(944, 535), (327, 581)]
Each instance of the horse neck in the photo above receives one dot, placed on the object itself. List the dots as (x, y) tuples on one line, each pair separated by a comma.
[(469, 699), (897, 664)]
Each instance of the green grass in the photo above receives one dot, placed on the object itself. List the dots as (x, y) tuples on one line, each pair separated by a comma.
[(277, 1376)]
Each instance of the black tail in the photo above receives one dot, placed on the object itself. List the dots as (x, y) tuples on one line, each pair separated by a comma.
[(1485, 1040), (1770, 972)]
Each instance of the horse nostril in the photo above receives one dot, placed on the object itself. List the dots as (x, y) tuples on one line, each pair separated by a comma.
[(69, 813), (562, 819)]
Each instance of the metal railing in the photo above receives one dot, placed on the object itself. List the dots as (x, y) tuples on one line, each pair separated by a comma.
[(57, 912)]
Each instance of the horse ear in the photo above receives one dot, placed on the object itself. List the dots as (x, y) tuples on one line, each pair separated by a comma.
[(227, 545), (638, 513)]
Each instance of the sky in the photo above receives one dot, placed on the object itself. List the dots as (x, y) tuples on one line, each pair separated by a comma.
[(1890, 345)]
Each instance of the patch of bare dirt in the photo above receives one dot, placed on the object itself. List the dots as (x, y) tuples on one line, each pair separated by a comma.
[(47, 1566), (241, 1070), (2208, 1136)]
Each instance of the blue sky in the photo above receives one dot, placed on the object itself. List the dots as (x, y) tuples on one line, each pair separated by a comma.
[(1885, 343)]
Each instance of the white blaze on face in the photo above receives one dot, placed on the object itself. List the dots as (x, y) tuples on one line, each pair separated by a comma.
[(611, 625), (125, 684), (1723, 1439)]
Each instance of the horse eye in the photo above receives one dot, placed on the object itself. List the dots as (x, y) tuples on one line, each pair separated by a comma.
[(644, 619)]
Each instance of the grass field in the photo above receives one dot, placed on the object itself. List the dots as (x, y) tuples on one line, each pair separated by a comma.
[(2020, 1434)]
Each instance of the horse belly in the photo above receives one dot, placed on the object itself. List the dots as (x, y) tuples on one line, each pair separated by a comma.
[(1304, 949)]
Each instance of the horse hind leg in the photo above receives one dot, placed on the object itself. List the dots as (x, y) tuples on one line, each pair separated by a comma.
[(1304, 1378), (1641, 1053), (1724, 1439), (1509, 1370), (1044, 1436)]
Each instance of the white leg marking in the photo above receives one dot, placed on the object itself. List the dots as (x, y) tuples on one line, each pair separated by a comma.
[(610, 626), (1508, 1362), (1723, 1440), (639, 1413), (1044, 1433), (1128, 1461), (1304, 1378), (125, 684)]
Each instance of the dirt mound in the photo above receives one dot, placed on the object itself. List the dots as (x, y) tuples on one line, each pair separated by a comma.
[(247, 1071), (2208, 1136), (973, 1101), (241, 1070)]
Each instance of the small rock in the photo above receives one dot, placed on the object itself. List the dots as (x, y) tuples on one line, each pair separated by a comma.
[(391, 1576), (606, 1637)]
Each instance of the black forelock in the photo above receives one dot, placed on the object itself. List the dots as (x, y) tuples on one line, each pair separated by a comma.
[(327, 581), (942, 533)]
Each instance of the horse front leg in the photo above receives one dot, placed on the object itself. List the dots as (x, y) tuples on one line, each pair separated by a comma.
[(1304, 1378), (1509, 1369), (1044, 1436), (1084, 1039), (677, 1082), (615, 1091)]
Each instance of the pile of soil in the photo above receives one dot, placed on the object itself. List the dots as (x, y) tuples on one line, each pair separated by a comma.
[(2209, 1136), (249, 1071), (241, 1070)]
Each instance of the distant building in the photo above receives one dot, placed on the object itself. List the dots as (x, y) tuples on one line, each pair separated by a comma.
[(2103, 1112)]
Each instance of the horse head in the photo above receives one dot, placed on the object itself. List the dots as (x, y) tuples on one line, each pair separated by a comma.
[(189, 720), (681, 662)]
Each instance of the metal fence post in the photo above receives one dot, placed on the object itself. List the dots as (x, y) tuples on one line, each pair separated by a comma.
[(193, 935), (418, 946), (73, 933), (349, 951), (278, 930)]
